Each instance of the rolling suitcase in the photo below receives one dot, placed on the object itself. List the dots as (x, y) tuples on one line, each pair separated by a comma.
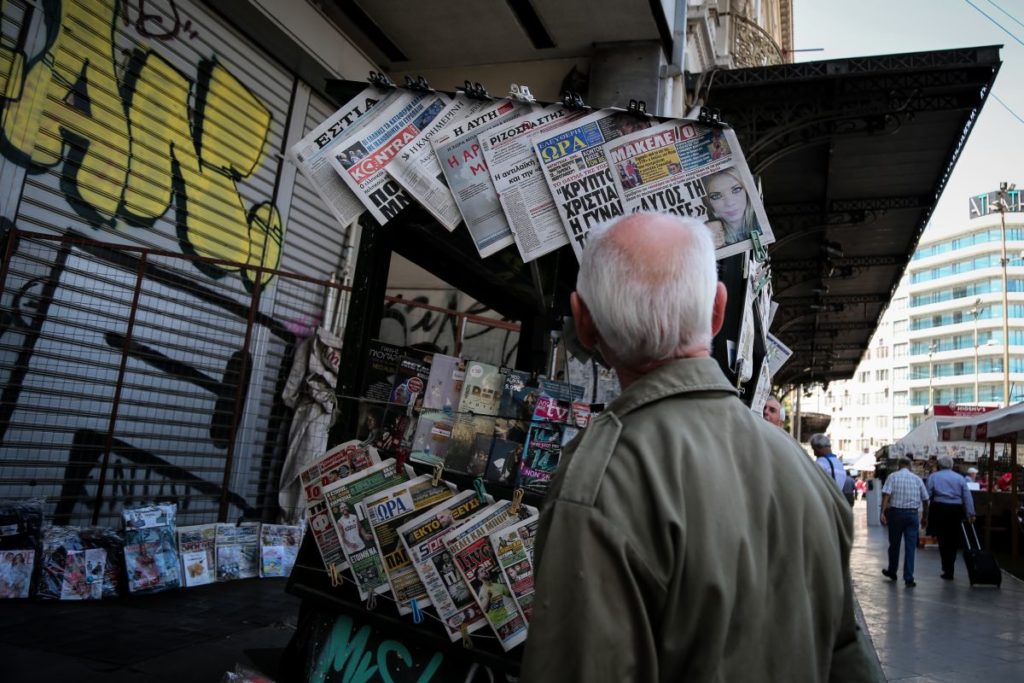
[(982, 567)]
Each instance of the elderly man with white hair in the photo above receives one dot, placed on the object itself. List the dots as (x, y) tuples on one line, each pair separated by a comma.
[(659, 557), (951, 499)]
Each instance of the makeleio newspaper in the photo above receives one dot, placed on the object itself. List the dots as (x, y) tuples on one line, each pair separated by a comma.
[(693, 170), (350, 525), (196, 545), (389, 510), (519, 182), (465, 169), (573, 160), (312, 154), (513, 548), (470, 547), (369, 146), (423, 540), (417, 170)]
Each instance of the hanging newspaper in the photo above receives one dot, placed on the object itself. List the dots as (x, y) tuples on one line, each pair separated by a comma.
[(465, 169), (423, 541), (352, 528), (312, 154), (369, 146), (577, 172), (389, 510), (471, 549), (762, 390), (513, 549), (515, 172), (694, 170), (416, 169), (778, 354)]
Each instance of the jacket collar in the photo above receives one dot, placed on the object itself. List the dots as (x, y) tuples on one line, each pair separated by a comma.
[(683, 376)]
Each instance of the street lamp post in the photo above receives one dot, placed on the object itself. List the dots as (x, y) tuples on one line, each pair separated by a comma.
[(931, 371), (975, 311), (1004, 190)]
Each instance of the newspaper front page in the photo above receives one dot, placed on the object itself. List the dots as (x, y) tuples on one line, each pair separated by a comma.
[(312, 154), (351, 527), (471, 549), (387, 511), (423, 541), (196, 546), (465, 169), (692, 170), (524, 195), (417, 170), (368, 147), (577, 172), (778, 354), (513, 548)]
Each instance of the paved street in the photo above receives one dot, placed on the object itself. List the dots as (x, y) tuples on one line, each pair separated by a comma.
[(939, 631)]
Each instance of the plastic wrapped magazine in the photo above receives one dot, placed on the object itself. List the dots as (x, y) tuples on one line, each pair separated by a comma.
[(21, 524), (197, 547), (470, 446), (513, 550), (238, 551), (150, 548), (279, 545), (80, 564), (422, 538)]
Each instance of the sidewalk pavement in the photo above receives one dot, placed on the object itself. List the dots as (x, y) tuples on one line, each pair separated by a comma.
[(940, 631)]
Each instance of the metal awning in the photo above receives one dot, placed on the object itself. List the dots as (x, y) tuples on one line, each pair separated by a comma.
[(853, 155)]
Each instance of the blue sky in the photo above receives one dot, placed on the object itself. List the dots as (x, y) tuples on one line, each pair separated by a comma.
[(995, 150)]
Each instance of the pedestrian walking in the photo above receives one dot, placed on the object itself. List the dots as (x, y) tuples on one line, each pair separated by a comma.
[(903, 497), (951, 500)]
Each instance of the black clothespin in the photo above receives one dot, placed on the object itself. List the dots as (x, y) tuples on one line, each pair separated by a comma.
[(474, 91), (380, 80), (573, 100), (637, 108), (418, 84), (710, 115)]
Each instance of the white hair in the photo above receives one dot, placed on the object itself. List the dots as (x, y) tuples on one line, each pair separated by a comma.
[(945, 462), (782, 408), (820, 441), (641, 314)]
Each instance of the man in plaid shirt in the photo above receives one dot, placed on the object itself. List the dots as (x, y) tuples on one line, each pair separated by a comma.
[(903, 496)]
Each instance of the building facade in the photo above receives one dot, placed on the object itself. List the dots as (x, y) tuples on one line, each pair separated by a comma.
[(941, 340)]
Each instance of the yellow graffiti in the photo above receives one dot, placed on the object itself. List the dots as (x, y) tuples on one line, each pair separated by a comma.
[(132, 148)]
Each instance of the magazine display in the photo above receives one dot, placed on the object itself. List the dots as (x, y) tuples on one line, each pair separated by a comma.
[(432, 438), (554, 401), (338, 463), (312, 154), (474, 558), (279, 546), (444, 385), (16, 568), (417, 170), (694, 170), (525, 197), (238, 551), (542, 453), (577, 172), (378, 379), (513, 550), (481, 390), (80, 563), (198, 548), (469, 449), (389, 510), (353, 529), (21, 523), (422, 538), (369, 146), (150, 548), (465, 169)]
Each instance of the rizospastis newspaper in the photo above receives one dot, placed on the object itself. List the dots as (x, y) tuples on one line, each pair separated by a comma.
[(519, 182), (312, 154), (694, 170), (369, 146), (423, 541), (465, 169), (577, 173), (416, 169)]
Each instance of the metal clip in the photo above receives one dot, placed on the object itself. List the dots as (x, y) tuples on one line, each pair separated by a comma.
[(371, 602), (637, 108), (517, 500), (336, 577), (760, 252), (521, 93), (475, 91), (467, 641), (573, 100), (418, 84), (435, 480), (710, 115), (417, 613), (380, 79), (481, 492)]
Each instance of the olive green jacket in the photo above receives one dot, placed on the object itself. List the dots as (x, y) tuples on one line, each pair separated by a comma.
[(687, 539)]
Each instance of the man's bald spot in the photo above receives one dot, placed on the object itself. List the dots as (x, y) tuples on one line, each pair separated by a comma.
[(648, 242)]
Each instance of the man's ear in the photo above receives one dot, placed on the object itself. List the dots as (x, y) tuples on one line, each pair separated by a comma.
[(718, 309), (586, 331)]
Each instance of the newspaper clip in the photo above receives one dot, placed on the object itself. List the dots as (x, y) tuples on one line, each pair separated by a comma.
[(379, 79), (436, 479), (336, 578), (573, 100), (710, 116), (467, 641), (419, 84), (762, 281), (637, 108), (371, 602), (417, 613), (517, 500), (481, 492), (474, 91), (760, 252), (521, 93)]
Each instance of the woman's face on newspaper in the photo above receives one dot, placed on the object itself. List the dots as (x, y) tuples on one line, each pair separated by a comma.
[(727, 197)]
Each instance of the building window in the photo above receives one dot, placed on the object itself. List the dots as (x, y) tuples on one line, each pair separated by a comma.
[(899, 326), (899, 399), (899, 374), (899, 351), (881, 375), (899, 424), (882, 421), (865, 376)]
